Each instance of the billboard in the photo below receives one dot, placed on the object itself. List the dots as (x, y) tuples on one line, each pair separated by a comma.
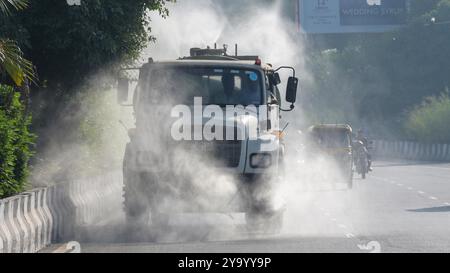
[(343, 16)]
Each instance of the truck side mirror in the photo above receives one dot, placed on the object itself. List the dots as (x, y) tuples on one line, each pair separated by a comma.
[(122, 90), (291, 90)]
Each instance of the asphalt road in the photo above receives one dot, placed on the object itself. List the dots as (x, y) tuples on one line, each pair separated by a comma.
[(401, 207)]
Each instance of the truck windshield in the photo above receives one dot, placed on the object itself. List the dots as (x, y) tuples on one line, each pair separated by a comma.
[(216, 86), (332, 138)]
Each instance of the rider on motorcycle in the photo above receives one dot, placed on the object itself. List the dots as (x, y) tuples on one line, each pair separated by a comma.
[(363, 139)]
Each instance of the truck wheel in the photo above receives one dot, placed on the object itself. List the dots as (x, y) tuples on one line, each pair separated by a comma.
[(135, 205), (140, 207), (265, 222)]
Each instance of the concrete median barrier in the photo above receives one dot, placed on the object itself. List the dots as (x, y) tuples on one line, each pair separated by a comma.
[(35, 219), (409, 150)]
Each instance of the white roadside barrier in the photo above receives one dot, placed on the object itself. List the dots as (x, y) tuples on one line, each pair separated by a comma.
[(5, 234), (35, 219), (411, 150)]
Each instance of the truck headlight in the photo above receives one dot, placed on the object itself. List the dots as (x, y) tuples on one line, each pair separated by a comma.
[(262, 161)]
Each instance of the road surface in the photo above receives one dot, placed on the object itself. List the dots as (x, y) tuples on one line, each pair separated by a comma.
[(401, 207)]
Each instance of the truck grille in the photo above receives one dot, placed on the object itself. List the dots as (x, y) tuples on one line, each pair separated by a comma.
[(220, 153)]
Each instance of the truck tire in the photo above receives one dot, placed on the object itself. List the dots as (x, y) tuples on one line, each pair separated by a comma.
[(139, 208), (139, 205), (260, 216), (265, 222), (136, 207)]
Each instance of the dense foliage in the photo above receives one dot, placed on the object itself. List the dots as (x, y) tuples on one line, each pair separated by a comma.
[(15, 142), (15, 139), (430, 122), (69, 43)]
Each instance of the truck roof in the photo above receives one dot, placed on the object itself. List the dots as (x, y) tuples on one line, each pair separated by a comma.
[(343, 127), (223, 63), (215, 57)]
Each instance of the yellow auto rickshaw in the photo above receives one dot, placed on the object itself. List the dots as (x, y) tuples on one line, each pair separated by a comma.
[(334, 142)]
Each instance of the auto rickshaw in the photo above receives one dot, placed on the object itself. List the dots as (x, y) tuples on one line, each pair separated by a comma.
[(335, 142)]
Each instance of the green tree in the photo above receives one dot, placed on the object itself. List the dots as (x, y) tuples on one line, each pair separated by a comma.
[(12, 61), (17, 4), (430, 121), (72, 45), (15, 142), (15, 139), (68, 44)]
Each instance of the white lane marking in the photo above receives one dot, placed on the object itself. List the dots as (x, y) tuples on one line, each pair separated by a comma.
[(348, 234), (432, 167), (384, 179), (446, 204), (341, 226), (421, 165), (409, 188)]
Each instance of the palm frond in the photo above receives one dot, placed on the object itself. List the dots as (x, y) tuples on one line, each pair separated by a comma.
[(17, 4), (14, 64)]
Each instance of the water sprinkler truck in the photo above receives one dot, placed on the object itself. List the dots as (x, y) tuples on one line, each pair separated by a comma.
[(221, 80)]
